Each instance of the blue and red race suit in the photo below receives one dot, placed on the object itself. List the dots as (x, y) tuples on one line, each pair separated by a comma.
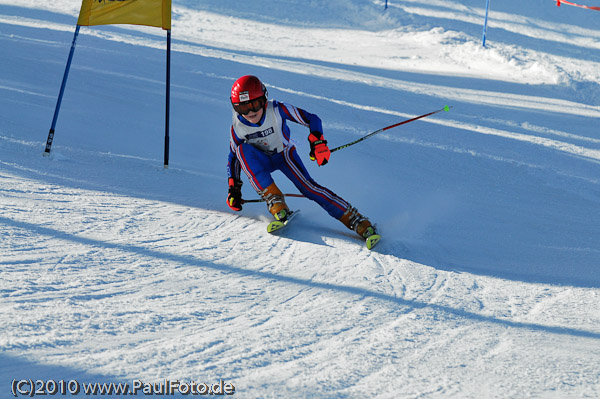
[(260, 149)]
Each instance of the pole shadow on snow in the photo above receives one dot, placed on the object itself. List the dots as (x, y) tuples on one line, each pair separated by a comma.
[(437, 253), (268, 276), (509, 251), (483, 256)]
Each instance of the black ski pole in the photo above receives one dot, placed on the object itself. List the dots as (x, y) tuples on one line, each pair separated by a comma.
[(244, 201), (446, 108)]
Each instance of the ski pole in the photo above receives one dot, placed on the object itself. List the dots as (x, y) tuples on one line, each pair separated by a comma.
[(244, 201), (446, 108)]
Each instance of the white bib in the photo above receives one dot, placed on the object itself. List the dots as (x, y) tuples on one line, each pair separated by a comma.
[(267, 137)]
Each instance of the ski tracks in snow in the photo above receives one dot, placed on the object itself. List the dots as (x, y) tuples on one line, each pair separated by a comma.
[(175, 289), (119, 279)]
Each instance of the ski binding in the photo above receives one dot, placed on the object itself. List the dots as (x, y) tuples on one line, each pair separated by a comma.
[(276, 225), (372, 240)]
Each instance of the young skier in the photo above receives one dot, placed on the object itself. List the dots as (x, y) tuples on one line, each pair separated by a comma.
[(260, 144)]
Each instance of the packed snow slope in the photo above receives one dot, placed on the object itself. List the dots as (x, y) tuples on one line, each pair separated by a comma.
[(486, 282)]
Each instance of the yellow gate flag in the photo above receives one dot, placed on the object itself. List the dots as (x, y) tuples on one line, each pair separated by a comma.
[(135, 12)]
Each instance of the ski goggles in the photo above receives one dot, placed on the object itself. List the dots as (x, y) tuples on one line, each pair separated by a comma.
[(245, 107)]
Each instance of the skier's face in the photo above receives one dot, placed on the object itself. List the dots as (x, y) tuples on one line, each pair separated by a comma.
[(254, 116)]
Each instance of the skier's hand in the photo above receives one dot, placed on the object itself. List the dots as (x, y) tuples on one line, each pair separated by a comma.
[(234, 195), (318, 148)]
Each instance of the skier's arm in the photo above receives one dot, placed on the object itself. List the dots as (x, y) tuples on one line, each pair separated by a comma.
[(318, 145), (233, 164), (298, 115), (234, 193)]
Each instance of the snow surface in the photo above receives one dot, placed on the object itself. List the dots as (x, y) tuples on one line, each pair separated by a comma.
[(485, 285)]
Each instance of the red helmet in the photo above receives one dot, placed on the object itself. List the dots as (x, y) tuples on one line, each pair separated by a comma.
[(248, 93)]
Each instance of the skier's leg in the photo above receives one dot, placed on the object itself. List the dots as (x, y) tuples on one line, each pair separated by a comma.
[(336, 206), (258, 166), (293, 168)]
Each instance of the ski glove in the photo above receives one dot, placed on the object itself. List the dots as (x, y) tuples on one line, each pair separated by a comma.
[(234, 196), (318, 148)]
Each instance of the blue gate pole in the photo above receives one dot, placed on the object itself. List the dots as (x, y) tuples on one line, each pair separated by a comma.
[(60, 94), (168, 100), (487, 6)]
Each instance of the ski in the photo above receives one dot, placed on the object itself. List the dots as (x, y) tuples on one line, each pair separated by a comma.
[(372, 240), (279, 224)]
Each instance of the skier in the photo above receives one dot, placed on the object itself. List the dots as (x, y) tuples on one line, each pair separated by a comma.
[(260, 144)]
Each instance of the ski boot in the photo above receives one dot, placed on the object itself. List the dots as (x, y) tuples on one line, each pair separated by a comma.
[(361, 225), (277, 207), (275, 201)]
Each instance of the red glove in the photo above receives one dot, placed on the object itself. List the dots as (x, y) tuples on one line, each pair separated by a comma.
[(318, 148), (234, 196)]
